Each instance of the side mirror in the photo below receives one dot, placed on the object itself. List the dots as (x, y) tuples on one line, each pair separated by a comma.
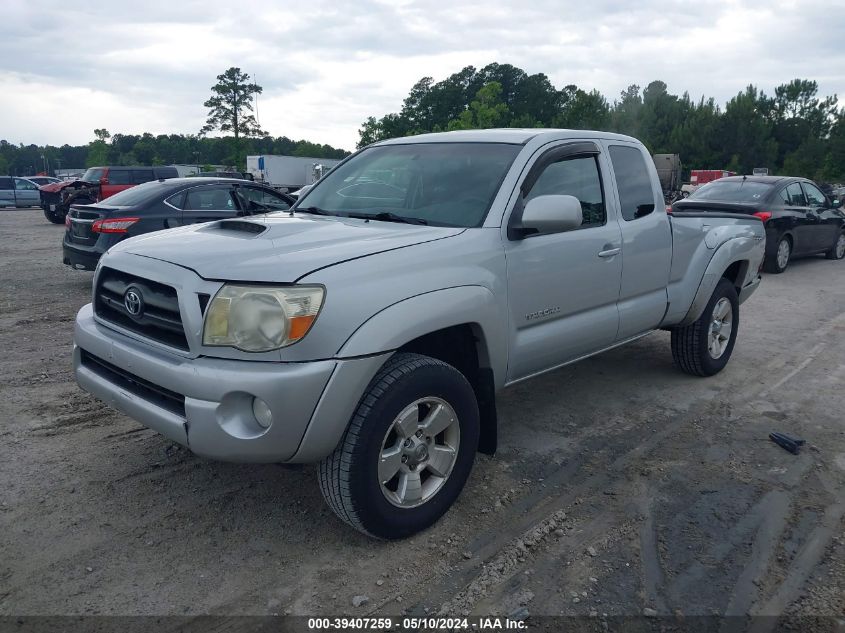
[(551, 214), (837, 204)]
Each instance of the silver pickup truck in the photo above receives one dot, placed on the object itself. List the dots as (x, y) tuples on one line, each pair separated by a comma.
[(369, 328)]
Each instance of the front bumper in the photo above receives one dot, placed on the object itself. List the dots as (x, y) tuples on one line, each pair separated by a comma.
[(207, 405)]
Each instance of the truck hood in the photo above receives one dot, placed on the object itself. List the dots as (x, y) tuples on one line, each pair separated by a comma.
[(278, 247)]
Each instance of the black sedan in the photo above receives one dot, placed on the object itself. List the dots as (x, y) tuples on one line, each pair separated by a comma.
[(162, 204), (800, 220)]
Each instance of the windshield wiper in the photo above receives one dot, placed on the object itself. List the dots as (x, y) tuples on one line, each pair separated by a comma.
[(387, 216), (314, 210)]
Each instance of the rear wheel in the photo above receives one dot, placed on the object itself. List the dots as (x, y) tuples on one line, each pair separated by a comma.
[(408, 450), (778, 261), (837, 251), (704, 348)]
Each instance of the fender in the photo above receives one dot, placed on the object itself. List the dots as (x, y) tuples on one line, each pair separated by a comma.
[(729, 252), (422, 314)]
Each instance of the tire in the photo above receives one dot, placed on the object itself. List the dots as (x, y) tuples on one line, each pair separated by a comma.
[(691, 344), (837, 251), (354, 478), (53, 217), (776, 262)]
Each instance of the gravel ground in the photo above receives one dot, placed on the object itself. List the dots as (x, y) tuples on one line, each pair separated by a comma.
[(621, 485)]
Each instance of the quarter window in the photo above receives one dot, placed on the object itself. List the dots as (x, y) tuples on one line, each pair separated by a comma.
[(633, 181), (260, 200), (792, 195), (815, 198), (578, 177)]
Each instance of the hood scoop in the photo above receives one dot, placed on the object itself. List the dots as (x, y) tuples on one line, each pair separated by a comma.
[(238, 226)]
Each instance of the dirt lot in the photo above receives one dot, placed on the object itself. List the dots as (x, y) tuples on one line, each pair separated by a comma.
[(621, 484)]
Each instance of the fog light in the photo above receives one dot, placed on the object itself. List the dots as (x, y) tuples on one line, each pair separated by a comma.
[(262, 413)]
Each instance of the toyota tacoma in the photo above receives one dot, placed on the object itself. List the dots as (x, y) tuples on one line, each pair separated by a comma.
[(369, 327)]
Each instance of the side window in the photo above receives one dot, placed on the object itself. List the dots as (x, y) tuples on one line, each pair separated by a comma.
[(577, 177), (815, 198), (141, 176), (119, 177), (177, 200), (792, 195), (5, 183), (633, 181), (24, 185), (210, 199), (259, 200)]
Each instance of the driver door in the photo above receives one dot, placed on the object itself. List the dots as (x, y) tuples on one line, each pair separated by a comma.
[(563, 288)]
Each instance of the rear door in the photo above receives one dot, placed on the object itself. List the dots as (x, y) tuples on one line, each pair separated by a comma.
[(26, 193), (796, 218), (209, 203), (825, 221), (646, 241)]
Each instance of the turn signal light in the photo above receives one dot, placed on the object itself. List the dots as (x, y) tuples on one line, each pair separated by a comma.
[(763, 215), (113, 225)]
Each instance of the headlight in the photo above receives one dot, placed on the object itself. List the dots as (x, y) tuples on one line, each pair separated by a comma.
[(261, 318)]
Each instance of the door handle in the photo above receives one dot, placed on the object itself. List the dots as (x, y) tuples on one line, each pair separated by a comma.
[(610, 252)]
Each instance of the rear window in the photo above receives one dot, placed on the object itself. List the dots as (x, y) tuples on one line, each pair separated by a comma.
[(633, 181), (135, 195), (138, 176), (732, 191), (93, 175)]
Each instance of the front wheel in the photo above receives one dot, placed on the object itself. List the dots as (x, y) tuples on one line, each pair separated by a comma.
[(777, 262), (837, 251), (703, 348), (408, 450), (53, 216)]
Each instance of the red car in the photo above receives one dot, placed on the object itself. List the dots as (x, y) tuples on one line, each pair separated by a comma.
[(96, 184)]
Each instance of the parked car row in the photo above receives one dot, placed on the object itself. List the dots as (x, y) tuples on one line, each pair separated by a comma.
[(800, 219), (96, 184)]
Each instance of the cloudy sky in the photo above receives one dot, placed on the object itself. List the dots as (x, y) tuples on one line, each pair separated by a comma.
[(147, 65)]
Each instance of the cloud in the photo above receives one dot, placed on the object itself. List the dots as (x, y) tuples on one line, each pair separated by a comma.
[(325, 67)]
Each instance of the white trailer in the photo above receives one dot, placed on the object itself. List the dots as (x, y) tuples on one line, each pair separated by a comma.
[(288, 172)]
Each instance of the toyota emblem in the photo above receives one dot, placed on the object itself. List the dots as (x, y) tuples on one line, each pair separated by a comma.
[(133, 302)]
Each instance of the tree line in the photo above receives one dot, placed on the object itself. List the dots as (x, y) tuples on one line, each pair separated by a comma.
[(147, 149), (794, 131)]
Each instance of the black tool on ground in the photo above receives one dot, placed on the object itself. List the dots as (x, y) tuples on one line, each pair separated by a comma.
[(792, 444)]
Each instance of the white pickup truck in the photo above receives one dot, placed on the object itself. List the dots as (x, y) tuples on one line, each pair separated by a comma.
[(369, 328)]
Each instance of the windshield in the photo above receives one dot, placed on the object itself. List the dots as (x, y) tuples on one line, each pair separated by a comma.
[(732, 191), (135, 195), (93, 174), (445, 184)]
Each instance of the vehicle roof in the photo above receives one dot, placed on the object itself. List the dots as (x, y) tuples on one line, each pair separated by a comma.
[(769, 180), (193, 181), (519, 136)]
